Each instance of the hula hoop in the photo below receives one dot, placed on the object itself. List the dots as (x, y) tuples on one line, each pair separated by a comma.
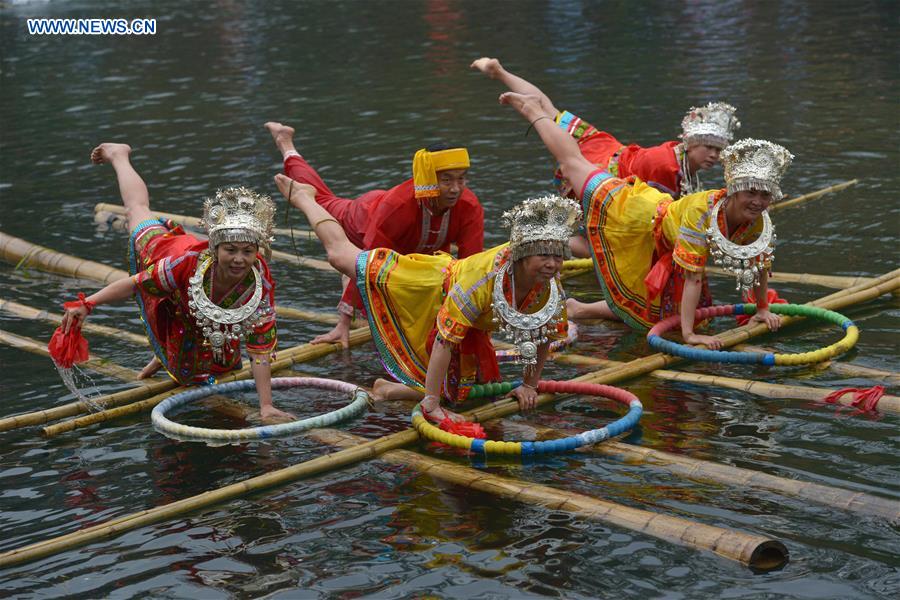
[(623, 424), (511, 354), (851, 335), (172, 429)]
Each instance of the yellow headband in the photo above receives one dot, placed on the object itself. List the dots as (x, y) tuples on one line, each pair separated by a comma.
[(427, 164)]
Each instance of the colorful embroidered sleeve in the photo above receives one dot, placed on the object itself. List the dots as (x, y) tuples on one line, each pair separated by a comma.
[(263, 339), (165, 275), (466, 301), (690, 252)]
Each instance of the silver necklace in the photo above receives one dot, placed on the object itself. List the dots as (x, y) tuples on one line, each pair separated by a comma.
[(744, 262), (690, 182), (221, 325), (525, 331)]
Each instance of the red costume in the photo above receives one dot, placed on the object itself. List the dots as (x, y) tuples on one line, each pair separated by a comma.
[(163, 259), (395, 219), (657, 166)]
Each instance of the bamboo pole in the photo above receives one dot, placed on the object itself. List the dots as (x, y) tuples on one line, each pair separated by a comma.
[(580, 266), (21, 252), (118, 223), (694, 468), (298, 354), (757, 552), (95, 363), (374, 448), (193, 222), (27, 312), (812, 195), (887, 403)]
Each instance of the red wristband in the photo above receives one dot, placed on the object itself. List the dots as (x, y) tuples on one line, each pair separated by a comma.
[(82, 301)]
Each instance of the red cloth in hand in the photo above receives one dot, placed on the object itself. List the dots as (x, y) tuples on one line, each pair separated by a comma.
[(67, 349), (772, 297)]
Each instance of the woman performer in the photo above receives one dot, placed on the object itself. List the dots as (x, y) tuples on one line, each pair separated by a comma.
[(671, 167), (423, 214), (650, 252), (431, 315), (197, 298)]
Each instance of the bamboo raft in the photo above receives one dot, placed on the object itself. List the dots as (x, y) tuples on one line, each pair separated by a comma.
[(754, 551)]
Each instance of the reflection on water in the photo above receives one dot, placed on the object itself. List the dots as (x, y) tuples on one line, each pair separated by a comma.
[(365, 85)]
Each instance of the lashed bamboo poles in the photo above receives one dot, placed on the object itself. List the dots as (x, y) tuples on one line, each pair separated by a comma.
[(811, 195), (27, 312), (99, 365), (751, 550), (641, 366), (298, 354), (580, 266), (18, 251), (886, 404), (193, 222), (367, 450), (693, 468), (755, 551)]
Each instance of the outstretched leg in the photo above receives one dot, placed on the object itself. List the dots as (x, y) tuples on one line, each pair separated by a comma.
[(283, 136), (576, 310), (341, 252), (493, 69), (132, 188)]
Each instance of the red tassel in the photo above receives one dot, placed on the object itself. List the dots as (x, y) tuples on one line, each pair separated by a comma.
[(864, 399), (469, 429)]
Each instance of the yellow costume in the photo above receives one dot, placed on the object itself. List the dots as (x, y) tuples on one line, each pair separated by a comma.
[(636, 233), (411, 298)]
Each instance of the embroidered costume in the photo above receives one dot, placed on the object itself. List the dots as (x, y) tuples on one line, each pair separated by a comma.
[(399, 218), (411, 299), (664, 167), (642, 241), (163, 259)]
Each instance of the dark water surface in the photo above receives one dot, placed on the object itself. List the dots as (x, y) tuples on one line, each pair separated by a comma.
[(366, 84)]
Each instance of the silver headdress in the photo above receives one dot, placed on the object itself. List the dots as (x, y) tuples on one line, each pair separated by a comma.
[(542, 226), (755, 165), (238, 214), (713, 124)]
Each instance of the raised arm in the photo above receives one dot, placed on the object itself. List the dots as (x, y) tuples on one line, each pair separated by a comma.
[(575, 167), (493, 69)]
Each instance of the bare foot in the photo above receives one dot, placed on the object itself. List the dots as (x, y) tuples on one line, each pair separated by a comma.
[(529, 106), (595, 310), (392, 390), (270, 414), (489, 66), (283, 136), (435, 413), (150, 370), (340, 334), (108, 152), (299, 192)]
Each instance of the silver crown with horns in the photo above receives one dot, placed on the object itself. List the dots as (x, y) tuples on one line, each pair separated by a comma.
[(238, 214), (542, 226), (755, 165), (713, 124)]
